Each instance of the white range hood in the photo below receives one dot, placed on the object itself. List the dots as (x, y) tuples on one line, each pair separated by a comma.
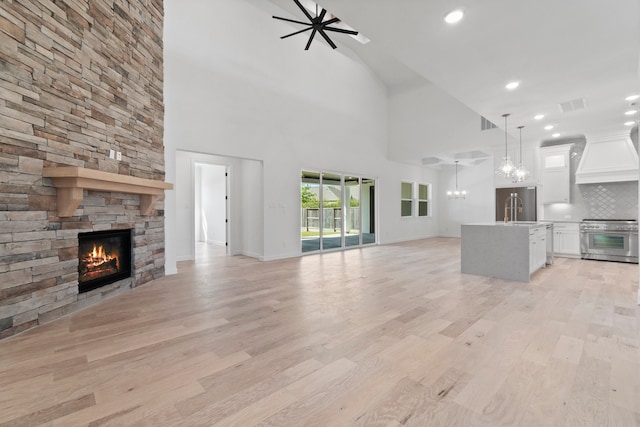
[(608, 158)]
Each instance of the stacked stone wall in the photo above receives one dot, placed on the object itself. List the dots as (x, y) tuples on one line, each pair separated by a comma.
[(78, 78)]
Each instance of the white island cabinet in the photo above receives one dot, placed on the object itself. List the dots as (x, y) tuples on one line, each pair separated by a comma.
[(537, 248), (511, 251)]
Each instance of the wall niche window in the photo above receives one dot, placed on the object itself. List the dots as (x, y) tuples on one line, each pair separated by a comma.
[(406, 199), (336, 211), (423, 199), (415, 199)]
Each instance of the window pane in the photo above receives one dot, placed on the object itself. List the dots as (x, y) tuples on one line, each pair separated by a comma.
[(405, 208), (423, 192), (331, 211), (423, 208), (352, 211), (406, 192), (368, 211), (310, 212)]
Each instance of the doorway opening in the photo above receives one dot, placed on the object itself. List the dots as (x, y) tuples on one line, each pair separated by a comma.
[(211, 211)]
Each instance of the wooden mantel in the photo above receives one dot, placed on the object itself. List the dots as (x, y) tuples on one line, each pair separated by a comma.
[(71, 181)]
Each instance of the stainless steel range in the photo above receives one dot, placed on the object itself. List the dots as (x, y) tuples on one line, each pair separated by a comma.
[(609, 240)]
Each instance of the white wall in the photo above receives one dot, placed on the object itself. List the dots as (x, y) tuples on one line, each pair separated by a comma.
[(422, 116), (478, 206), (236, 89), (251, 202)]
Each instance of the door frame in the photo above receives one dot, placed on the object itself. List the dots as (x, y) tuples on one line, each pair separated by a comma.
[(227, 170)]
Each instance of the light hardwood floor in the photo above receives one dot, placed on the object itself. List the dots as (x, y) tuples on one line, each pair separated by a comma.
[(388, 335)]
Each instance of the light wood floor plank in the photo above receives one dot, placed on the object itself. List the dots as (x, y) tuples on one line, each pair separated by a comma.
[(388, 335)]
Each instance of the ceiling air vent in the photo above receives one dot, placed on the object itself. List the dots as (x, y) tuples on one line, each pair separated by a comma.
[(486, 124), (573, 105)]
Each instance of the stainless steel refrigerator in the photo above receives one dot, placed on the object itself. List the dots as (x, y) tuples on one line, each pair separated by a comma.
[(519, 203)]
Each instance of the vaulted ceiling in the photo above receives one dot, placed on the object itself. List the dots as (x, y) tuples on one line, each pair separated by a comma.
[(559, 51)]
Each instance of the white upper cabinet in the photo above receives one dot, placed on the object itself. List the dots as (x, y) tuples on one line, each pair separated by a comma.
[(530, 161), (556, 174)]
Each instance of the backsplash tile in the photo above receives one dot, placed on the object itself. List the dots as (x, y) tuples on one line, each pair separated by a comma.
[(615, 200)]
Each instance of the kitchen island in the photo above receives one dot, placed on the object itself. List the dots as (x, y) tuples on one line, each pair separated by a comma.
[(511, 251)]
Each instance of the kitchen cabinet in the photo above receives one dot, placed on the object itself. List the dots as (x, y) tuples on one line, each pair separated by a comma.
[(566, 239), (556, 174), (537, 248), (530, 160), (510, 251)]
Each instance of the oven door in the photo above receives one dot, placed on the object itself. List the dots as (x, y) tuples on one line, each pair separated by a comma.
[(609, 245)]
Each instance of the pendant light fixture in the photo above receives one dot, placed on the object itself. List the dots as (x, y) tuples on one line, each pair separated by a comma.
[(521, 173), (506, 168), (456, 194)]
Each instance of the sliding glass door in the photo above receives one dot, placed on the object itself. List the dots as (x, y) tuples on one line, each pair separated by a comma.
[(331, 203), (352, 211), (337, 211), (310, 203), (368, 211)]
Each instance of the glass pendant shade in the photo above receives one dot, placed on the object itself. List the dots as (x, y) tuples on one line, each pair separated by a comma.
[(506, 168), (456, 194), (521, 173)]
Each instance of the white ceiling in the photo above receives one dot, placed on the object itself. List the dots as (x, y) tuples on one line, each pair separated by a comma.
[(559, 49)]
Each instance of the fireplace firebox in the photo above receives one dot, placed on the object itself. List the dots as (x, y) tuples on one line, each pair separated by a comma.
[(104, 257)]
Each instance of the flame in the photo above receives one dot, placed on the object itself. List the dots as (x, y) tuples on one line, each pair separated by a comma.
[(98, 257)]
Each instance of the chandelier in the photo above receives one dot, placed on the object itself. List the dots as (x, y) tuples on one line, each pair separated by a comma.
[(521, 173), (456, 194), (506, 168)]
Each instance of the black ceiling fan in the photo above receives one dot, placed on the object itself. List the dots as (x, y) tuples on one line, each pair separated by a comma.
[(317, 25)]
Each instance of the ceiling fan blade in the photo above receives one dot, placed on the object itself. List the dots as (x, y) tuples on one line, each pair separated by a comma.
[(313, 33), (340, 30), (297, 32), (321, 17), (332, 44), (308, 15), (331, 21), (291, 20)]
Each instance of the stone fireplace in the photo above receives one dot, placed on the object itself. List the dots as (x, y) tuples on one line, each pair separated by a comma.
[(104, 257), (78, 81)]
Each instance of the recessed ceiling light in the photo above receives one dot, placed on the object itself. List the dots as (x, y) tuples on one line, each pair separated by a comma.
[(454, 16), (512, 85), (555, 135), (632, 97), (629, 123), (539, 116), (548, 127), (630, 112)]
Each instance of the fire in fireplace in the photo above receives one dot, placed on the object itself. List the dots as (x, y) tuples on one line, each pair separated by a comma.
[(104, 257)]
